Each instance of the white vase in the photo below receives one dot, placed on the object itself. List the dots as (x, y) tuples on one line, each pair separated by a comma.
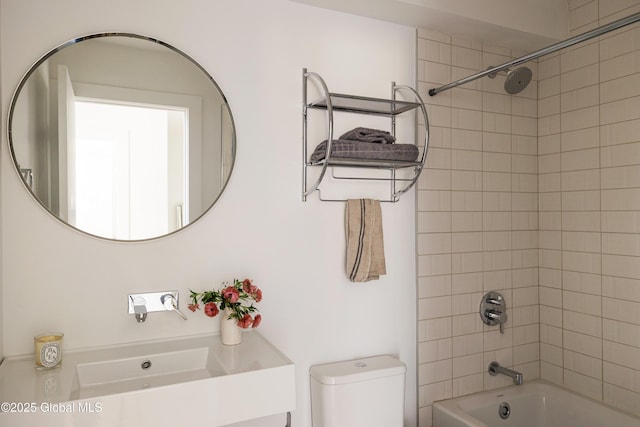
[(230, 333)]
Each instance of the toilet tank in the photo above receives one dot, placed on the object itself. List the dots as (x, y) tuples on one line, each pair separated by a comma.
[(366, 392)]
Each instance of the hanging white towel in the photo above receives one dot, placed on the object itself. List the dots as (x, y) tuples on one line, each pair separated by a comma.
[(365, 243)]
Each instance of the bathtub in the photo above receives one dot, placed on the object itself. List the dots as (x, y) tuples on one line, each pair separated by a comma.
[(533, 404)]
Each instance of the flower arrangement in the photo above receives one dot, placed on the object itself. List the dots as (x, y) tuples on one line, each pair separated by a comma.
[(237, 298)]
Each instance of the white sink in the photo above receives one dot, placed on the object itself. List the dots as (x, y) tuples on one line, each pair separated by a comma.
[(150, 384), (142, 372)]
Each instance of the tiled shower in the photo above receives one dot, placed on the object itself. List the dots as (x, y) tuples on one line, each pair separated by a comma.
[(536, 195)]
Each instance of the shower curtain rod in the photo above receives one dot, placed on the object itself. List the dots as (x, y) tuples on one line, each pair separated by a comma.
[(544, 51)]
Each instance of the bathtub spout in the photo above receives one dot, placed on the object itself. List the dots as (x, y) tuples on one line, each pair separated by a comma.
[(495, 369)]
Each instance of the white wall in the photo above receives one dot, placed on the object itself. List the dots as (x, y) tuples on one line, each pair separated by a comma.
[(574, 310), (589, 277), (519, 24), (477, 222), (2, 155), (54, 278)]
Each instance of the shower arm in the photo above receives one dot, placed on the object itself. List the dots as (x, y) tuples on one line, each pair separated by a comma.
[(631, 19)]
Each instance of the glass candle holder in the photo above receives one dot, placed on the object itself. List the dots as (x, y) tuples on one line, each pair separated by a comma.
[(48, 350)]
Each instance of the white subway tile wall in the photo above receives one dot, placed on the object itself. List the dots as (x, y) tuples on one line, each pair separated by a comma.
[(536, 195), (477, 223)]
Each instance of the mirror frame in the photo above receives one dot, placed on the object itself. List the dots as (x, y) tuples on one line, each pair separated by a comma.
[(24, 179)]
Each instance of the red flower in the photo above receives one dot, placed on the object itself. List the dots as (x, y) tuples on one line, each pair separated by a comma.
[(257, 320), (230, 294), (211, 309), (246, 321), (238, 297)]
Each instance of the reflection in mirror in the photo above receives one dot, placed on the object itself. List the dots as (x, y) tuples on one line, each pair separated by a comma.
[(122, 136)]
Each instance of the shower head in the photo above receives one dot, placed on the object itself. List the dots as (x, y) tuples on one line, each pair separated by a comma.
[(517, 79)]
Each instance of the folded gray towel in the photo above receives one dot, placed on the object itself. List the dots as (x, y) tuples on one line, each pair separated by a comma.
[(369, 135), (365, 150)]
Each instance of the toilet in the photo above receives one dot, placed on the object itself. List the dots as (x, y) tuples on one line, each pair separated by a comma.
[(366, 392)]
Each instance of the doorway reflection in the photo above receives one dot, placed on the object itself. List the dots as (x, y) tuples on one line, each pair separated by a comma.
[(131, 171)]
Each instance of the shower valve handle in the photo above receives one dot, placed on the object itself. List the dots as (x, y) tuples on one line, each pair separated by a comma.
[(493, 310)]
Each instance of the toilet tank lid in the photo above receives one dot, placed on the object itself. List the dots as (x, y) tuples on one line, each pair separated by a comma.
[(358, 370)]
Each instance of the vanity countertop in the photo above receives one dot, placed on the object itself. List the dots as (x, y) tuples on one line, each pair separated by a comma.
[(193, 376)]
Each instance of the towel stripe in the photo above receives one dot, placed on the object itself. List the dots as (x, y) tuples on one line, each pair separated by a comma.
[(356, 264)]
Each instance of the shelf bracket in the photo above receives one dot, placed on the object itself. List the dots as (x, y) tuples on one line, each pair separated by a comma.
[(305, 76)]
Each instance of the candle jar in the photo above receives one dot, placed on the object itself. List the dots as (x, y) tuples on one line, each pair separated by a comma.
[(48, 350)]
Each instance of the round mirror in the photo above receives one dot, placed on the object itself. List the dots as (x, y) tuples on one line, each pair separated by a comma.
[(121, 136)]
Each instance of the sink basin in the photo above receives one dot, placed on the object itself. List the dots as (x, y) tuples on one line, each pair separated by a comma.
[(134, 384), (142, 372)]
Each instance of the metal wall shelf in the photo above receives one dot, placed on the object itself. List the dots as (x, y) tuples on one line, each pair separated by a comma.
[(366, 163), (334, 102), (364, 105)]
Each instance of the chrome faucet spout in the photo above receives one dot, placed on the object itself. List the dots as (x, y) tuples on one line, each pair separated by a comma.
[(139, 308), (495, 369), (141, 317)]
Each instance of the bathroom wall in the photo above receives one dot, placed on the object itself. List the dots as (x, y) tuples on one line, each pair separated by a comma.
[(55, 278), (589, 158), (2, 154), (584, 223), (527, 24), (477, 222)]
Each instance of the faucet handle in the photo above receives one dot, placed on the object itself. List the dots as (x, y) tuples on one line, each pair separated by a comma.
[(496, 317), (171, 304), (492, 301), (493, 310), (492, 317), (502, 321)]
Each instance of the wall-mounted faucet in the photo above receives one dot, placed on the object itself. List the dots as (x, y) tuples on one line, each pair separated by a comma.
[(493, 310), (495, 369), (141, 304)]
